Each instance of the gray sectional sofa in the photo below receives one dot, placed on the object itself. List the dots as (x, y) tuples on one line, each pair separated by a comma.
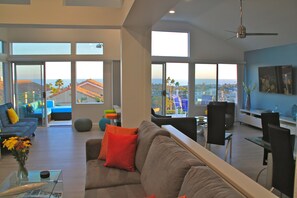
[(25, 126), (163, 169)]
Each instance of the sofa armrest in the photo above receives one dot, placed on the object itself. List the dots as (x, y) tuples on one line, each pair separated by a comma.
[(93, 149)]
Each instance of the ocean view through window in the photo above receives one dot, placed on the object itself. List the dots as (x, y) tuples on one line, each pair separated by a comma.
[(89, 82), (215, 82), (170, 88)]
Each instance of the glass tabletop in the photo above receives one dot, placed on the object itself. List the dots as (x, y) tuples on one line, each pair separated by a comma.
[(259, 141), (46, 190)]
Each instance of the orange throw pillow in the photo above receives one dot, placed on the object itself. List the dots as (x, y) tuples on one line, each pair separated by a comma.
[(121, 151), (115, 130), (184, 196)]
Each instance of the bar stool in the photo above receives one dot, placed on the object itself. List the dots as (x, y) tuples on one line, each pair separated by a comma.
[(113, 117)]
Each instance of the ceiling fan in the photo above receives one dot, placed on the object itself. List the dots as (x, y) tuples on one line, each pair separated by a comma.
[(241, 30)]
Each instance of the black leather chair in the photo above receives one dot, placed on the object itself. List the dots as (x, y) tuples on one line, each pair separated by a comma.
[(229, 114), (187, 125), (283, 159), (267, 118), (216, 133)]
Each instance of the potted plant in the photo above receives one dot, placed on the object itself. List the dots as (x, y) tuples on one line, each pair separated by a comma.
[(248, 90)]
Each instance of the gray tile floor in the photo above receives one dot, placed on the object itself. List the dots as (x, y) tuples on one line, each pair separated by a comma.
[(64, 148)]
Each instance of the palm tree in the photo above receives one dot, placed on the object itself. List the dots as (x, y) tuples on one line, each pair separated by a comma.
[(59, 83)]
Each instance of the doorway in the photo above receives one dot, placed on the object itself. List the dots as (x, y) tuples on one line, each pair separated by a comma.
[(43, 90), (29, 90), (170, 88), (58, 92)]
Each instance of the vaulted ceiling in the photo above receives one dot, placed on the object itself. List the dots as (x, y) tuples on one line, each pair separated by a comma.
[(218, 17), (215, 17)]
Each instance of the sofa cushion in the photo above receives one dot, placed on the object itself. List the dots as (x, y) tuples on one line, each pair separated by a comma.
[(165, 167), (116, 130), (22, 124), (125, 191), (99, 176), (201, 181), (121, 151), (147, 131)]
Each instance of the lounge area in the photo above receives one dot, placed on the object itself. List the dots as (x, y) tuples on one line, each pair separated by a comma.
[(246, 157), (182, 58)]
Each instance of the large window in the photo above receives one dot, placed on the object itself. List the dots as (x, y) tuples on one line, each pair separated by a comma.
[(205, 83), (1, 47), (89, 48), (170, 88), (1, 84), (170, 44), (227, 82), (215, 82), (40, 48), (89, 82)]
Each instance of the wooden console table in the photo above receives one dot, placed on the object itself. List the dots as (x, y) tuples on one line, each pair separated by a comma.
[(253, 117)]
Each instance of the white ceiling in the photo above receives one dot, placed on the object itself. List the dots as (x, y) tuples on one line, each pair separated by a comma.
[(217, 16)]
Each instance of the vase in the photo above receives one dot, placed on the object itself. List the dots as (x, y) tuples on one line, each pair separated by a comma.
[(22, 173), (248, 102)]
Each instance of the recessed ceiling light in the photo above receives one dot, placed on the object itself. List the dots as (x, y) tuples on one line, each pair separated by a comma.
[(171, 11)]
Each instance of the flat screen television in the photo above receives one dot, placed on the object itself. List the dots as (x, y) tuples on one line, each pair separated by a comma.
[(276, 79)]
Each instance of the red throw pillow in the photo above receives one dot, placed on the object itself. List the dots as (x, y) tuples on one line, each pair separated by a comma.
[(151, 196), (115, 130), (121, 151), (184, 196)]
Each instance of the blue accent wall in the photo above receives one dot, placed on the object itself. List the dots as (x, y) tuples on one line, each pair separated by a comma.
[(281, 55)]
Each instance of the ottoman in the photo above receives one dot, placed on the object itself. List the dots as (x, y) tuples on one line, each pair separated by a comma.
[(83, 124)]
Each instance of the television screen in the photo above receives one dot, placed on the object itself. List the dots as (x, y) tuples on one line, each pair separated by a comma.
[(276, 79)]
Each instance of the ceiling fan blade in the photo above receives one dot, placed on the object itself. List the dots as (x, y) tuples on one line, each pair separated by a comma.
[(231, 31), (261, 34), (230, 38)]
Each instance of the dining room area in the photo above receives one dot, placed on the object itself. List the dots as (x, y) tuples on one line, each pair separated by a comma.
[(266, 153)]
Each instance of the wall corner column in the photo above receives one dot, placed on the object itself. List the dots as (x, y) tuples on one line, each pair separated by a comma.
[(135, 75)]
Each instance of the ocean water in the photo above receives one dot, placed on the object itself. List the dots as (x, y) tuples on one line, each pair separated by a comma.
[(199, 81)]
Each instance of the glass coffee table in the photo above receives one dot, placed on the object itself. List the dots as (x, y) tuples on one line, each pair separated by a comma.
[(34, 185)]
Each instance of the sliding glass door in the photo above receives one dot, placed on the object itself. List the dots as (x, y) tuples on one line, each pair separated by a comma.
[(170, 89), (158, 88), (29, 90)]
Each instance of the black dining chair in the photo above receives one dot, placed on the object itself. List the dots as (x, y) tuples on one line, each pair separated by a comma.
[(216, 133), (267, 118), (282, 159)]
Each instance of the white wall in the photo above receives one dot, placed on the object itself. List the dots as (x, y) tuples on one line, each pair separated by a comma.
[(3, 34)]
